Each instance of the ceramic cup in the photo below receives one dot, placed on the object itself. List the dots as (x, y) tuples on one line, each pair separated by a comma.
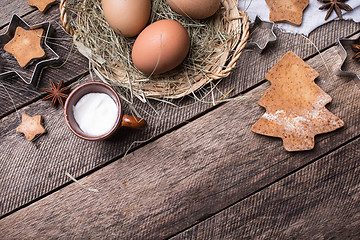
[(98, 87)]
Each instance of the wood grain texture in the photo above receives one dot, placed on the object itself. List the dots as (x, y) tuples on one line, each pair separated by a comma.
[(74, 64), (48, 158), (321, 201), (10, 7), (238, 81), (253, 65), (167, 185)]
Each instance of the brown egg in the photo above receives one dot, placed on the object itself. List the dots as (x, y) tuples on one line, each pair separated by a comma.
[(196, 9), (127, 17), (160, 47)]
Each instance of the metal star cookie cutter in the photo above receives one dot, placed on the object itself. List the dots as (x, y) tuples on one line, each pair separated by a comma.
[(262, 25), (37, 67), (343, 44)]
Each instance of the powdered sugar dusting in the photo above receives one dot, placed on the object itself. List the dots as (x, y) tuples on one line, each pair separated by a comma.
[(292, 122)]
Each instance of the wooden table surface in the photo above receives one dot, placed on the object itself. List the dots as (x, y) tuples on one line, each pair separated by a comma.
[(197, 171)]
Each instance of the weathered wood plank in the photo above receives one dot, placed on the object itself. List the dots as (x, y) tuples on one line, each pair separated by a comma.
[(239, 80), (320, 201), (252, 66), (10, 7), (22, 94), (64, 152), (75, 65), (165, 186)]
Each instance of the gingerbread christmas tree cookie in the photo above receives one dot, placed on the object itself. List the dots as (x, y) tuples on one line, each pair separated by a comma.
[(295, 105), (42, 5), (31, 126), (287, 10), (26, 45)]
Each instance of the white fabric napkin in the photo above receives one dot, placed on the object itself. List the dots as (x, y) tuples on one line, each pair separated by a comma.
[(312, 18)]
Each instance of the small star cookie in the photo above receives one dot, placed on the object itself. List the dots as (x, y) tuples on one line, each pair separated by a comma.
[(26, 45), (31, 126), (290, 11), (42, 5)]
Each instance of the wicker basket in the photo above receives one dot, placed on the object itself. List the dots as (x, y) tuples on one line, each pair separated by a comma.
[(177, 84)]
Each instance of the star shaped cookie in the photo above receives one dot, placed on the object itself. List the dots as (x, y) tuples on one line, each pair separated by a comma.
[(26, 45), (42, 5), (31, 126), (287, 10), (32, 73)]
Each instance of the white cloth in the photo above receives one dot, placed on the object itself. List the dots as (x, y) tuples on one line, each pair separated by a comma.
[(312, 18)]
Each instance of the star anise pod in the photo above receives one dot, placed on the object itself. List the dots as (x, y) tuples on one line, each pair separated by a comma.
[(336, 5), (356, 48), (56, 93)]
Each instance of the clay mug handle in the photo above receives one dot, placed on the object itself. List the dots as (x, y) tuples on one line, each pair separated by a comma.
[(133, 122)]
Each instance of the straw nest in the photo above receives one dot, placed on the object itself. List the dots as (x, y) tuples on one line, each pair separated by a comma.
[(216, 44)]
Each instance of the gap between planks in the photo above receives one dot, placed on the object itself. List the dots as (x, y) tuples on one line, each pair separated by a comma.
[(258, 191), (76, 66), (320, 201), (328, 38), (203, 209)]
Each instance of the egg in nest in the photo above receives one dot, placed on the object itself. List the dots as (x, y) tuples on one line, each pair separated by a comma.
[(160, 47), (195, 9), (127, 17)]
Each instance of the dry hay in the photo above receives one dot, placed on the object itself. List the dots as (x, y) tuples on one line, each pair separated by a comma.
[(216, 44)]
